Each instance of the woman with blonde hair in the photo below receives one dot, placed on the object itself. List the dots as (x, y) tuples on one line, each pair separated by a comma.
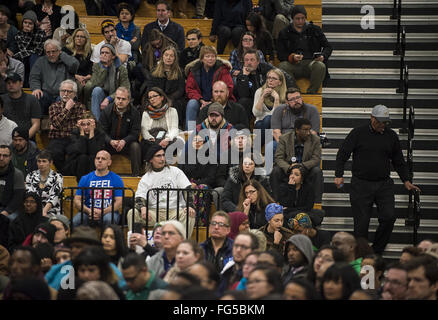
[(79, 47), (167, 75), (253, 199), (268, 97)]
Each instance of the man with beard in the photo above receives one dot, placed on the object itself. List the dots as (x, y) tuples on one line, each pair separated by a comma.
[(284, 116), (218, 134), (233, 111), (170, 205), (11, 186), (298, 253), (298, 146), (24, 152)]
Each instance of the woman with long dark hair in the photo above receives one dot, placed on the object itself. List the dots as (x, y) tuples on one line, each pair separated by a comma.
[(339, 282), (237, 177), (113, 243), (263, 38), (253, 199), (263, 282)]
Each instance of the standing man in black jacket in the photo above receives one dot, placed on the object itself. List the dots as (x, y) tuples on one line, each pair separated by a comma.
[(121, 123), (375, 147), (304, 50)]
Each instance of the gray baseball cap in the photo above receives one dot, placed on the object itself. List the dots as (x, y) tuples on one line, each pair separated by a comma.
[(381, 113)]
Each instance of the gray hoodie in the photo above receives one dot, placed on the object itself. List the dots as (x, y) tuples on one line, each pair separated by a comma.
[(303, 243)]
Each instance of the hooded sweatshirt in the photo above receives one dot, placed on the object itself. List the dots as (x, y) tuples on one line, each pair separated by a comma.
[(304, 244)]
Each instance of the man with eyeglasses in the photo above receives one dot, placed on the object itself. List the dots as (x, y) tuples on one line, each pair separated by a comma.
[(63, 115), (244, 243), (395, 283), (375, 147), (298, 146), (218, 247), (139, 279), (49, 71)]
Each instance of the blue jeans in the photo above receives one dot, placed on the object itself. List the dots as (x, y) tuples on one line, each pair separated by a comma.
[(263, 125), (192, 110), (106, 219), (97, 97)]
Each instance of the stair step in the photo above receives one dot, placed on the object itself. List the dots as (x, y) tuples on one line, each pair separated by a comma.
[(381, 93), (364, 113), (388, 3), (384, 54), (380, 19), (421, 178), (426, 225), (380, 37), (419, 155), (401, 200)]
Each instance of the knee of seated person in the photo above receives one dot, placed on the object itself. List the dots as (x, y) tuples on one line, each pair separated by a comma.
[(97, 90), (318, 65)]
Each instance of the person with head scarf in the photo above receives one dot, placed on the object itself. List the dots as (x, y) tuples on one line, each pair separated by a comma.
[(276, 234), (239, 223)]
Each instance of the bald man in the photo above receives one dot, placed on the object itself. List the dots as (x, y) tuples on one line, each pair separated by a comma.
[(346, 243), (100, 204)]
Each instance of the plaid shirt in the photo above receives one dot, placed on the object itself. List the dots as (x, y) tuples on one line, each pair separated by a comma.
[(63, 121), (29, 43)]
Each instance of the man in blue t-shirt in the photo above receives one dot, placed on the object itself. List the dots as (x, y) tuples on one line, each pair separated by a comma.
[(92, 206)]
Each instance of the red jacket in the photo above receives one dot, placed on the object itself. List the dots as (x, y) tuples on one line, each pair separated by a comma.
[(222, 73)]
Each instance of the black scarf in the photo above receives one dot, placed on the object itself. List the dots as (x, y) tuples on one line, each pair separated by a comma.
[(8, 190)]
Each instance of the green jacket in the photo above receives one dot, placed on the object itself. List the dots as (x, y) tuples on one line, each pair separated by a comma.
[(99, 75), (153, 283), (356, 265), (286, 150)]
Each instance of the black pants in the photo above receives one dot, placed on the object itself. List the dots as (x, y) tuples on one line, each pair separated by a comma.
[(363, 194), (225, 34), (79, 166), (133, 151), (58, 149)]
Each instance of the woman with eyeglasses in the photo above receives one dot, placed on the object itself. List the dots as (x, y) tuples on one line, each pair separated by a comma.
[(268, 97), (253, 200), (324, 258), (80, 48), (263, 282), (238, 175), (159, 123), (247, 41), (168, 76), (249, 265)]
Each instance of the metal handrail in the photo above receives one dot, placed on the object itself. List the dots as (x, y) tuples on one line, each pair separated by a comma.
[(396, 14), (70, 197), (405, 92), (402, 53), (188, 203)]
